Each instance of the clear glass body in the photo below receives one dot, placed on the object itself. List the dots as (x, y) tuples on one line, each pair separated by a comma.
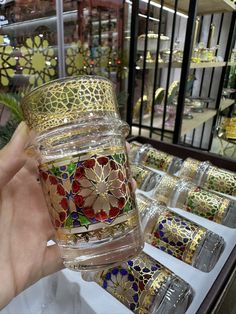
[(145, 178), (201, 172), (194, 170), (179, 236), (86, 179), (136, 151), (161, 291)]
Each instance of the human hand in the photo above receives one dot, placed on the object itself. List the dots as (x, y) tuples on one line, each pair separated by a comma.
[(25, 225)]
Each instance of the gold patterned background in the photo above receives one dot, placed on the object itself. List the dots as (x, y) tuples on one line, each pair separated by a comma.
[(37, 61)]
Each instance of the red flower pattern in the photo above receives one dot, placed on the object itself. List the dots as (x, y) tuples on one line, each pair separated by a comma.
[(89, 163), (79, 200), (62, 216), (79, 173), (53, 180), (101, 216), (114, 211), (60, 190), (64, 203), (75, 187), (114, 166), (100, 192), (88, 212), (121, 202), (102, 160)]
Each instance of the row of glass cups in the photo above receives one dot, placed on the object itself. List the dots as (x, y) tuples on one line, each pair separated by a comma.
[(202, 173)]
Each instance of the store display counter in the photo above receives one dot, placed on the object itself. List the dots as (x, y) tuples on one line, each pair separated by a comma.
[(210, 288)]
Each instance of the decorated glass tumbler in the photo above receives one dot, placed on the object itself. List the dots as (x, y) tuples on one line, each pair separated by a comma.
[(154, 158), (178, 236), (145, 286), (84, 171), (204, 174), (182, 193)]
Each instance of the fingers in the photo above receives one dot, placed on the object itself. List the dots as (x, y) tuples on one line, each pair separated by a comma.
[(12, 156), (53, 261)]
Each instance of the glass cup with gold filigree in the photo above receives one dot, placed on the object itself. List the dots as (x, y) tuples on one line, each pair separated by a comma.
[(178, 236), (145, 286), (204, 174), (182, 193), (154, 158), (84, 170)]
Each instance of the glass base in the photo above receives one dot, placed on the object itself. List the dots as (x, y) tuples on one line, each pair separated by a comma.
[(177, 297), (107, 254), (230, 218), (209, 252)]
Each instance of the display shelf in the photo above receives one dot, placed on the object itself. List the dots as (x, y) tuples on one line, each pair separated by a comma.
[(161, 65), (193, 65), (203, 65), (187, 125), (157, 122), (198, 119), (67, 16), (225, 103), (204, 7), (231, 64)]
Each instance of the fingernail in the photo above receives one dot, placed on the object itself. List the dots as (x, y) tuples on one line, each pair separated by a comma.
[(32, 152)]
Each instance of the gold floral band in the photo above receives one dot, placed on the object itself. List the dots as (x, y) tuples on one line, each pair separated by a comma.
[(206, 204), (157, 159), (229, 126), (89, 192), (100, 232), (139, 174), (189, 168), (165, 188), (65, 100), (176, 236), (135, 283), (221, 180)]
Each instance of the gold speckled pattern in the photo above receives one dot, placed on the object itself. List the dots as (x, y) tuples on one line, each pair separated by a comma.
[(157, 159), (189, 168), (221, 180), (177, 236), (139, 174), (65, 100), (206, 204), (165, 188)]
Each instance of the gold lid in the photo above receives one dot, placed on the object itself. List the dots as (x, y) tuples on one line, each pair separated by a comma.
[(65, 100)]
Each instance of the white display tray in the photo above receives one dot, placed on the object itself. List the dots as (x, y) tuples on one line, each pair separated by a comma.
[(65, 292)]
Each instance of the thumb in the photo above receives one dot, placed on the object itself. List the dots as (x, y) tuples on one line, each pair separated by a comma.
[(12, 156)]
